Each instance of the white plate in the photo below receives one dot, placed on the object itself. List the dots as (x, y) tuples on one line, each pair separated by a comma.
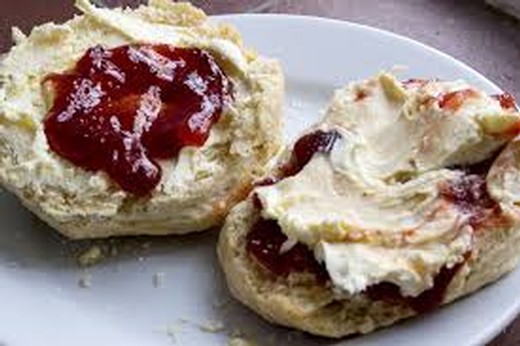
[(42, 304)]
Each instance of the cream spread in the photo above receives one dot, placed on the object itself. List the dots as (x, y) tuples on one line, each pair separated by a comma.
[(372, 209)]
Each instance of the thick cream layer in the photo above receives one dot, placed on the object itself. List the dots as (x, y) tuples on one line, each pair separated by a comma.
[(372, 209)]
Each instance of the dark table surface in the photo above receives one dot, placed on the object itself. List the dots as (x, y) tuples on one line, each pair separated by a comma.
[(466, 29)]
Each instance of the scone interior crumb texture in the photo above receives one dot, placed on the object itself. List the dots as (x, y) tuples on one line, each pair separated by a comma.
[(197, 187), (411, 203)]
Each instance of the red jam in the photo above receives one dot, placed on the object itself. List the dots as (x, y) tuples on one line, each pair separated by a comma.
[(469, 193), (427, 301), (453, 100), (120, 110), (507, 101), (361, 95), (264, 243), (304, 149), (265, 240)]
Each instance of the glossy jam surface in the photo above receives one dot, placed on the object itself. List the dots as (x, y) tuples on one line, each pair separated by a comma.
[(304, 149), (308, 145), (120, 110), (264, 243)]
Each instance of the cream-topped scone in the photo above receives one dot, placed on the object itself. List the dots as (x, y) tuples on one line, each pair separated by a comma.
[(135, 121), (402, 199)]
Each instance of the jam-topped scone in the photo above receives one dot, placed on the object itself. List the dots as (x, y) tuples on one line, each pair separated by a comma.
[(404, 198), (135, 121)]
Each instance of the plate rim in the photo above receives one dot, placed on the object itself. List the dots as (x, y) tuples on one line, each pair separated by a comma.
[(354, 25)]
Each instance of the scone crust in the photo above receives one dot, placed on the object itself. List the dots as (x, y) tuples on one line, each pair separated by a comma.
[(302, 304), (88, 205)]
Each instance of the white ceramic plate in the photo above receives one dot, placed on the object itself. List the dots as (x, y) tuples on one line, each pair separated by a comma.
[(42, 304)]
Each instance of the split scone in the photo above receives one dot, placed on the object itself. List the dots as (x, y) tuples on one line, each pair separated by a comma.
[(404, 198), (135, 121)]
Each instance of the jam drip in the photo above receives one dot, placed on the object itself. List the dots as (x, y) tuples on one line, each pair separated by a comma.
[(120, 110), (264, 243), (304, 149)]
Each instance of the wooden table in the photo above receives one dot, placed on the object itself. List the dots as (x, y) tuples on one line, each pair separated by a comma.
[(465, 29)]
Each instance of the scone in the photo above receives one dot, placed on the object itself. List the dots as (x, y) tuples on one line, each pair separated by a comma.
[(403, 198), (135, 121)]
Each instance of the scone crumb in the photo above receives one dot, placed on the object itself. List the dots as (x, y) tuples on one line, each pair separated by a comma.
[(91, 256), (240, 341), (141, 259), (212, 327), (85, 281), (158, 279), (171, 332)]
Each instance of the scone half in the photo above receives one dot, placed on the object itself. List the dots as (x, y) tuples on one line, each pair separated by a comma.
[(401, 200), (134, 181)]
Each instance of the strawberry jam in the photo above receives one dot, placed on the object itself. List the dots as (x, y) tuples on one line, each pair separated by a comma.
[(454, 100), (304, 149), (427, 301), (120, 110), (470, 195), (264, 243), (507, 101)]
